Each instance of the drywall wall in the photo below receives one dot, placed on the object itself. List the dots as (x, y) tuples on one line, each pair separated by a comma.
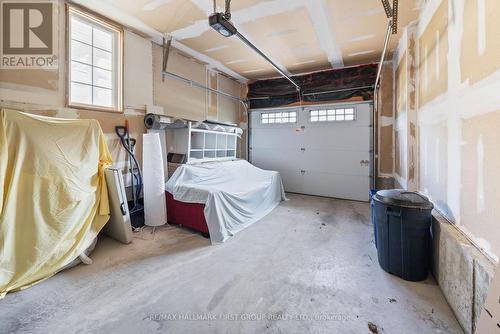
[(243, 123), (451, 140), (228, 109), (412, 133), (433, 55), (212, 97), (453, 94), (220, 107), (400, 115), (385, 126), (43, 92), (480, 51), (405, 96), (178, 98), (137, 55), (182, 100), (453, 118), (480, 179)]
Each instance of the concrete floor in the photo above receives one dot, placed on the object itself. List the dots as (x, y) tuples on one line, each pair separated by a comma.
[(308, 267)]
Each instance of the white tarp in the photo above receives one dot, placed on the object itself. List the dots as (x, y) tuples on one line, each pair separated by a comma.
[(236, 194)]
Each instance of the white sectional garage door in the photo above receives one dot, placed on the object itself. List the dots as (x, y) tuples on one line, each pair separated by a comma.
[(322, 150)]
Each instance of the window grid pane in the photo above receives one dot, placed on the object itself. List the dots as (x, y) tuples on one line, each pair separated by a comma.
[(81, 73), (278, 117), (81, 52), (80, 31), (332, 115), (92, 48)]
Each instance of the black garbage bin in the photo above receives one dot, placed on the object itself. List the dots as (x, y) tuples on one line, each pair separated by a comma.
[(403, 221)]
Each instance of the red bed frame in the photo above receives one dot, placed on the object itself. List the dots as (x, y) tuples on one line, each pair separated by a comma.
[(186, 214)]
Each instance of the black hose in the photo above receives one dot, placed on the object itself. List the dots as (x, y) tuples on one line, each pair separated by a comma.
[(133, 157), (122, 135), (138, 188)]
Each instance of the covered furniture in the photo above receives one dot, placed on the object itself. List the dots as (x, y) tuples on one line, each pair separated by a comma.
[(191, 215), (233, 195), (53, 196)]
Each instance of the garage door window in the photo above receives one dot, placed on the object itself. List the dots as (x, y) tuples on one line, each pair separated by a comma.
[(278, 117), (332, 115)]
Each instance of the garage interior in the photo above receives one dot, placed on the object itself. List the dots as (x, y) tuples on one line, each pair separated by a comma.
[(199, 166)]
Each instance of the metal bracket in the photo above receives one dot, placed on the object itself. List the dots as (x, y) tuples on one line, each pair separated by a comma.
[(166, 51), (395, 6), (387, 8)]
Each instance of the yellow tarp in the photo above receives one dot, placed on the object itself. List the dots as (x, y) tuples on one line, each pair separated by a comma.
[(53, 196)]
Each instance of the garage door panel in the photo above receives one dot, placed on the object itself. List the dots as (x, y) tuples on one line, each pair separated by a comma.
[(334, 185), (292, 181), (276, 137), (343, 162), (317, 158), (283, 159), (348, 138)]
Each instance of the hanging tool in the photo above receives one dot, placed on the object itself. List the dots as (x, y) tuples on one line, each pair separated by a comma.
[(136, 176)]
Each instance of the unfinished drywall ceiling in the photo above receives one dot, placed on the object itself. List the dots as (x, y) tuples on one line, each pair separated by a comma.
[(299, 35), (231, 52), (295, 46), (361, 27), (163, 15)]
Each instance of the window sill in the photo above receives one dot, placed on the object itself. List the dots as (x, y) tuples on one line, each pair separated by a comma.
[(95, 108)]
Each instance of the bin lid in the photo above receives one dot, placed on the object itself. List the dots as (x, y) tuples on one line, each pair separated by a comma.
[(403, 198)]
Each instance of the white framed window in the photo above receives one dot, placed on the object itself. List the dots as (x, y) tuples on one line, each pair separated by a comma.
[(278, 117), (332, 115), (95, 56)]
